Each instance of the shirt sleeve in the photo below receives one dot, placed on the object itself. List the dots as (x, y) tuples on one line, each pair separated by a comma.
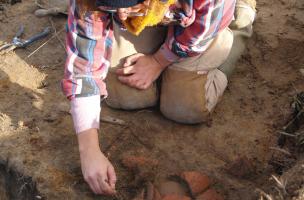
[(196, 28), (86, 113), (88, 48)]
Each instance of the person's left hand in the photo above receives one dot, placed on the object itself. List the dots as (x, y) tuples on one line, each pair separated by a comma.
[(140, 71)]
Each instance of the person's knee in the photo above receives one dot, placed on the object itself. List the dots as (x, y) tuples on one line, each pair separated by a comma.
[(189, 97), (245, 12), (121, 96)]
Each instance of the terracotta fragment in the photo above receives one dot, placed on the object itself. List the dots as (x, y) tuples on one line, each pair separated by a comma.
[(197, 181), (210, 194)]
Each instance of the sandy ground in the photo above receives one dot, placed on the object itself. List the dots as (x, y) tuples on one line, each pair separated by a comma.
[(38, 148)]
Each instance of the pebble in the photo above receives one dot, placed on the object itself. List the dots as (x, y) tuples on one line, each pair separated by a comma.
[(302, 71)]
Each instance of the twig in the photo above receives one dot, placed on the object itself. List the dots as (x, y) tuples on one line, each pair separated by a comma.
[(22, 187), (281, 150), (112, 120), (287, 134), (283, 112), (280, 193), (52, 66), (295, 89), (55, 31), (267, 196), (45, 43), (299, 133), (281, 183), (143, 111)]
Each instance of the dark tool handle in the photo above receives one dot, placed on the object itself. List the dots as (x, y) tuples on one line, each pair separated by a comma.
[(41, 35), (20, 31), (16, 39)]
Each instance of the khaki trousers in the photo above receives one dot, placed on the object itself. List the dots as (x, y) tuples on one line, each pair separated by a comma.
[(125, 44), (190, 89)]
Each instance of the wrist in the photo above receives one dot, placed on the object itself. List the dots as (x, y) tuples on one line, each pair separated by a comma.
[(88, 141), (160, 59)]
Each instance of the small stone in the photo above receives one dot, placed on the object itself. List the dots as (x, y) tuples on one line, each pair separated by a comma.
[(37, 129), (196, 181), (302, 71), (29, 123), (20, 123), (210, 194), (175, 197)]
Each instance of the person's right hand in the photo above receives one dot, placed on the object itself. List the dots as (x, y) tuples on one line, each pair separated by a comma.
[(97, 170), (124, 13)]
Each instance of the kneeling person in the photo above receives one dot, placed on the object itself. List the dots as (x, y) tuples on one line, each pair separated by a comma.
[(115, 43)]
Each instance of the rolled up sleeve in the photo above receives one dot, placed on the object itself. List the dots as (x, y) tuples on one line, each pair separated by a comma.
[(206, 19), (88, 48)]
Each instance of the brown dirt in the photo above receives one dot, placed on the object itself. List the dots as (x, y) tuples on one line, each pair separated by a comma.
[(175, 197), (37, 139)]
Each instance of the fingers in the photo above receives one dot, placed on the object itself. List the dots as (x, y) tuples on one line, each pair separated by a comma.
[(132, 59), (94, 188), (134, 82), (125, 71), (104, 186), (112, 177), (100, 184), (127, 80), (146, 3), (123, 13), (94, 185), (137, 7)]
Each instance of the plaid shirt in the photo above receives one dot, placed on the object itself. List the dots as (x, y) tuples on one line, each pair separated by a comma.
[(89, 41)]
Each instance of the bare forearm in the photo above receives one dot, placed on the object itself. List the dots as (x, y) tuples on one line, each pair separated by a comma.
[(88, 140), (97, 170)]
